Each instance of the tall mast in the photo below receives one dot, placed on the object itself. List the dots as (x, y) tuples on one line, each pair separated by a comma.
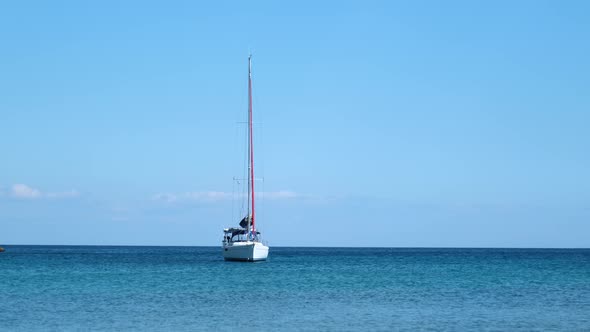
[(251, 145), (251, 220)]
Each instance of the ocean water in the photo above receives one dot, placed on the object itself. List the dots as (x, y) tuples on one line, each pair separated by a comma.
[(328, 289)]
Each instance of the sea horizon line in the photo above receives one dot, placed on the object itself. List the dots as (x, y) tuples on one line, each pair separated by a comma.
[(296, 246)]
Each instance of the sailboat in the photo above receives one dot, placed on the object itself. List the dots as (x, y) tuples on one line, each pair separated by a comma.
[(244, 243)]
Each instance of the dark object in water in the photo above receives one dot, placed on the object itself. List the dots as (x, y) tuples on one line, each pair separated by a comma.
[(2, 249)]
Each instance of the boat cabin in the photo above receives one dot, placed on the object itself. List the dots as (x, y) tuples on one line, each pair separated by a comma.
[(239, 235)]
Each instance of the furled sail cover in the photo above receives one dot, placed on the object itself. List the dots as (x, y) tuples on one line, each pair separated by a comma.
[(244, 221), (240, 231)]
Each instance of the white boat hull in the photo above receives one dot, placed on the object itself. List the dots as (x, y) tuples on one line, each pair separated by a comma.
[(245, 251)]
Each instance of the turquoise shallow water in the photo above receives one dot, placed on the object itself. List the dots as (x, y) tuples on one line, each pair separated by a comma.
[(192, 288)]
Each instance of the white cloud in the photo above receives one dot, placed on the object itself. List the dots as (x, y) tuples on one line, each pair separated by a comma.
[(165, 197), (281, 194), (197, 196), (20, 190), (216, 196), (24, 191), (208, 196)]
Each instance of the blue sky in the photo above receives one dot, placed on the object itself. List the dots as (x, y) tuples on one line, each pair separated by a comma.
[(389, 123)]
